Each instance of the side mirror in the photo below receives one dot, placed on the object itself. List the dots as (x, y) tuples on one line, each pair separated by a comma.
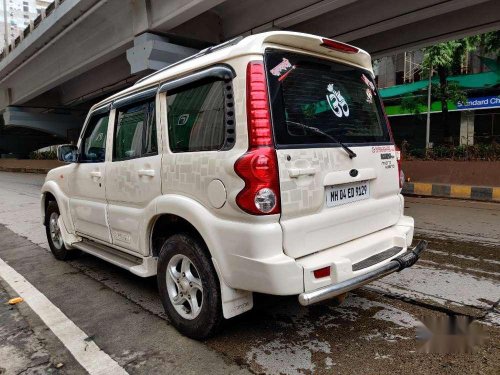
[(67, 153)]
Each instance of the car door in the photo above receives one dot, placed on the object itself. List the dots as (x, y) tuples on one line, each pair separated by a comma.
[(88, 180), (133, 173)]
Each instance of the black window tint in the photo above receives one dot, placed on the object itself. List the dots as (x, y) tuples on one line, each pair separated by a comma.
[(135, 131), (93, 146), (196, 118), (338, 99)]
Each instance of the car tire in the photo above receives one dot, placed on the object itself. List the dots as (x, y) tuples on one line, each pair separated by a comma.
[(189, 287), (53, 232)]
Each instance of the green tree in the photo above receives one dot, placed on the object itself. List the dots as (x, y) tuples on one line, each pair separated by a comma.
[(490, 42), (447, 57), (442, 58)]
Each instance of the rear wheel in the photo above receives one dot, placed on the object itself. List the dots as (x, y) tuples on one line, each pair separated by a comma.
[(54, 237), (188, 286)]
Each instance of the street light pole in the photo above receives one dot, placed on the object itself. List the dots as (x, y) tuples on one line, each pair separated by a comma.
[(6, 30), (428, 125)]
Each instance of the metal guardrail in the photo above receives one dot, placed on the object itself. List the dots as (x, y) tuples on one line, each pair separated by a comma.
[(29, 29)]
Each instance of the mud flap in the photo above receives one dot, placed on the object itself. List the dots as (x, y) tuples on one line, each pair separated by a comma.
[(234, 301), (68, 238)]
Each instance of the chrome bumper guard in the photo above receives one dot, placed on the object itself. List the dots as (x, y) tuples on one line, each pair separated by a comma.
[(406, 260)]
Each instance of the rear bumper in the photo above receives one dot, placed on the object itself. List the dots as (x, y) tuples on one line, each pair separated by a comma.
[(405, 260), (258, 264)]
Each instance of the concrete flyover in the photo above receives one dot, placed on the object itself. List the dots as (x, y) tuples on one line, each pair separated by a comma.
[(82, 50)]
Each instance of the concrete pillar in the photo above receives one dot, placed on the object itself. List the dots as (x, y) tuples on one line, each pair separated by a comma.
[(466, 128), (154, 52)]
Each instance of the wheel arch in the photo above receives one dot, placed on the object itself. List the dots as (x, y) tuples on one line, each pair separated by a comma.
[(166, 225), (176, 214), (47, 197), (52, 191)]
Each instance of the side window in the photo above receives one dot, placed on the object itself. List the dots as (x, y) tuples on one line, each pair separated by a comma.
[(135, 131), (196, 118), (93, 145)]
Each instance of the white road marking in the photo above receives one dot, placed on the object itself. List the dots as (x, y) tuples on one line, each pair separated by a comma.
[(87, 353)]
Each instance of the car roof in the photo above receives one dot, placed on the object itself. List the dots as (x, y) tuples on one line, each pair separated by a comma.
[(253, 44)]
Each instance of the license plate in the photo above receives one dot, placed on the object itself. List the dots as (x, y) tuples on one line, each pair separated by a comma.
[(347, 193)]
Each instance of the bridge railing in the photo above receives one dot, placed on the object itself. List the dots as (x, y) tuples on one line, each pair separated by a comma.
[(29, 29)]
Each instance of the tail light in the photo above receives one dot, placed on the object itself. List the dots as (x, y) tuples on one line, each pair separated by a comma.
[(258, 167), (338, 46)]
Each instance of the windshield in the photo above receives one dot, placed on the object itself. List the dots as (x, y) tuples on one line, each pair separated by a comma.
[(337, 99)]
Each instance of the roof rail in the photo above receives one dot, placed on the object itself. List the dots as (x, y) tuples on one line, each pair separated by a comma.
[(203, 52)]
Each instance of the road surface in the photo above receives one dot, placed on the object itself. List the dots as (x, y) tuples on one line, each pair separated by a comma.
[(374, 331)]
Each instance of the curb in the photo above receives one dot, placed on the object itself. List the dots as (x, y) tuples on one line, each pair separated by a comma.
[(25, 170), (481, 193)]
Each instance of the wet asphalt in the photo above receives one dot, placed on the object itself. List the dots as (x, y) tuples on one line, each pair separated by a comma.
[(373, 332)]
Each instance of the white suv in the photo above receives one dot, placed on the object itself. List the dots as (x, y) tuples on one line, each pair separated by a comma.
[(264, 164)]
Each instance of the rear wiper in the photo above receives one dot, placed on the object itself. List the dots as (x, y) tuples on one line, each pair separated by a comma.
[(315, 130)]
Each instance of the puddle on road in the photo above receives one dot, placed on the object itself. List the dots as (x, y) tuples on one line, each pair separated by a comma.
[(290, 339), (278, 356), (442, 285)]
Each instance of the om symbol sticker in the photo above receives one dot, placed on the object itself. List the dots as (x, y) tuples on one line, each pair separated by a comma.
[(337, 102)]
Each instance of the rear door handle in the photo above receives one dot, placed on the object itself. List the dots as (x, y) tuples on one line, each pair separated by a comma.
[(296, 172), (95, 174), (146, 172)]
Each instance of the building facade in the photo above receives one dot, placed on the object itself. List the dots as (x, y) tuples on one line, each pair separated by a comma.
[(399, 78), (19, 15)]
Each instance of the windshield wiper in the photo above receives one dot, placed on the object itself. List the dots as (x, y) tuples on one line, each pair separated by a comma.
[(315, 130)]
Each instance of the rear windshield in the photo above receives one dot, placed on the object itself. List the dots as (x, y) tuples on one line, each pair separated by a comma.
[(337, 99)]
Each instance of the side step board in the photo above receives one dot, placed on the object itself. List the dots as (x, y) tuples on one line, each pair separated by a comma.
[(143, 267)]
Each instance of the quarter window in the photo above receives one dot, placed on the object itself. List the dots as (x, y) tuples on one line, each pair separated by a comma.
[(93, 145), (196, 118), (135, 131)]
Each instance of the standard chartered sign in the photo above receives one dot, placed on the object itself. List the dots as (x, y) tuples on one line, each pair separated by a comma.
[(481, 102)]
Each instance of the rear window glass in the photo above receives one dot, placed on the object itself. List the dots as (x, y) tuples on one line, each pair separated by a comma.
[(338, 99)]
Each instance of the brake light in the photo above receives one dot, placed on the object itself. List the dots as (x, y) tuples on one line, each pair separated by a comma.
[(339, 46), (258, 167), (258, 117)]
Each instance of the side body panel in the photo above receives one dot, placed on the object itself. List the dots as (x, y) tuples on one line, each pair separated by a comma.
[(130, 193), (191, 173)]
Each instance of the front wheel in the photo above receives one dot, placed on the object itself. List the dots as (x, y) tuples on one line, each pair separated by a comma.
[(188, 286), (54, 237)]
